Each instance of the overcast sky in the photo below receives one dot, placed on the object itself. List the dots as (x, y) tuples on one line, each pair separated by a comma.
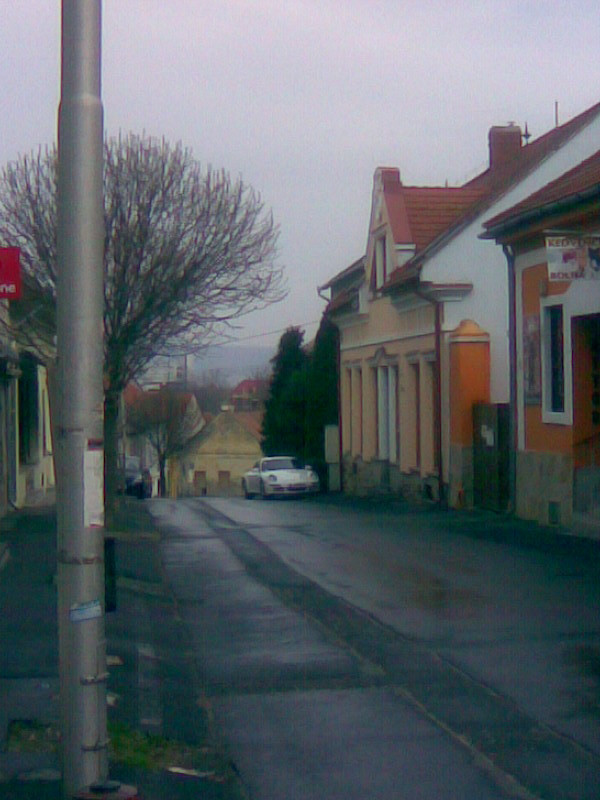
[(305, 98)]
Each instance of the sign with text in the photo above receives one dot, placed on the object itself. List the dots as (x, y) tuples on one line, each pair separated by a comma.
[(10, 273), (573, 257)]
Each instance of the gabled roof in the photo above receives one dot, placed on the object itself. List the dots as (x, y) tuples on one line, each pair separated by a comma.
[(252, 421), (346, 276), (346, 300), (494, 182), (249, 387), (344, 287), (504, 175), (579, 184)]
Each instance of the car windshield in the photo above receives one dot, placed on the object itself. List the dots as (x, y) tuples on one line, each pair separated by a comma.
[(279, 463)]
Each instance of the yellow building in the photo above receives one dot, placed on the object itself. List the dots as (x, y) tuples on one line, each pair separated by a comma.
[(423, 321), (216, 459)]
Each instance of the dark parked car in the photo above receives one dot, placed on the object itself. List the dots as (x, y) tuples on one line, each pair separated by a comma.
[(138, 482)]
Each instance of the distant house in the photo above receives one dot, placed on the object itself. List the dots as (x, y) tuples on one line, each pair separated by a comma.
[(216, 459), (552, 244), (159, 424), (423, 317), (250, 394)]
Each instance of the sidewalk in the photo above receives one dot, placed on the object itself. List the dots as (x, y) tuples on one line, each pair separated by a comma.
[(157, 716)]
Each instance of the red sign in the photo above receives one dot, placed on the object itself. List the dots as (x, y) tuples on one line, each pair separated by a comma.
[(10, 273)]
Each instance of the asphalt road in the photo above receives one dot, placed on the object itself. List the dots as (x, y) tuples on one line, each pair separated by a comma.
[(350, 652)]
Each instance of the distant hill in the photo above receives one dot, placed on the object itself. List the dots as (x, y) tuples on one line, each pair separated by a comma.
[(232, 362)]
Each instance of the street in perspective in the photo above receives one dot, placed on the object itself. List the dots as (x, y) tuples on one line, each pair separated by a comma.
[(353, 649), (299, 402)]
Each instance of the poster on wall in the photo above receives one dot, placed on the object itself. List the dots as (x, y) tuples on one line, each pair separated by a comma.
[(573, 257), (532, 366)]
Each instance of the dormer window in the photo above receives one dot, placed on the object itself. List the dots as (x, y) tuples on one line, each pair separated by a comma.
[(380, 262)]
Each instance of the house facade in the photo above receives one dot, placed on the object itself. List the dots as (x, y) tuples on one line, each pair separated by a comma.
[(551, 242), (423, 318), (9, 463), (215, 460), (34, 435), (26, 459)]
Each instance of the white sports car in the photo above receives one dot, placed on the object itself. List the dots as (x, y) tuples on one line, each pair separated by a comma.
[(279, 475)]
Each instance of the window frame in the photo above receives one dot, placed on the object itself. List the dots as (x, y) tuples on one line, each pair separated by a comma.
[(380, 261), (548, 308)]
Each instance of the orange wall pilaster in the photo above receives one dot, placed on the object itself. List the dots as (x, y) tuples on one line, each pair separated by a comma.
[(469, 378)]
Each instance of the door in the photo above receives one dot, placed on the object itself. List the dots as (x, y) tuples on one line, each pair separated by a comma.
[(585, 337)]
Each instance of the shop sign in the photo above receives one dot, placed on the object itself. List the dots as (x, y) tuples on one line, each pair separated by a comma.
[(10, 273), (573, 257)]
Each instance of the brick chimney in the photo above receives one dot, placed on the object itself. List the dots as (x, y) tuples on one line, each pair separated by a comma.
[(505, 144)]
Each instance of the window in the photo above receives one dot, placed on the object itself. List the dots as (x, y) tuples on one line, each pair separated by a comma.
[(557, 388), (557, 367), (380, 262), (387, 413), (554, 366)]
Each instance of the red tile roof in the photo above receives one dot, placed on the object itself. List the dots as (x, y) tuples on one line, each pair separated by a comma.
[(532, 154), (489, 184), (248, 387), (252, 421), (418, 213), (347, 300), (356, 269), (131, 394), (574, 184)]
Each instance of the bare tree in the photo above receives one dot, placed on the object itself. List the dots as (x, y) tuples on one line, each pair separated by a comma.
[(188, 251), (168, 419)]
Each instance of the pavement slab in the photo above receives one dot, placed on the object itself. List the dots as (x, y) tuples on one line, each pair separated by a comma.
[(391, 750)]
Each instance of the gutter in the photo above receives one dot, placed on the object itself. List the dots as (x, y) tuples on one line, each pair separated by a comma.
[(512, 372)]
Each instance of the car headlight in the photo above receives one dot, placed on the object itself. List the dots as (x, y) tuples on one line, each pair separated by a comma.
[(272, 478)]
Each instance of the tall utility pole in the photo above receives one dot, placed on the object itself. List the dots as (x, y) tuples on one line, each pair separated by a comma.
[(82, 647)]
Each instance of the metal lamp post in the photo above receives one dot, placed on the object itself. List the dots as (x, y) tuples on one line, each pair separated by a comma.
[(82, 648)]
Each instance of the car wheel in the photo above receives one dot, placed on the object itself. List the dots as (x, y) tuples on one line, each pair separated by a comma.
[(263, 492)]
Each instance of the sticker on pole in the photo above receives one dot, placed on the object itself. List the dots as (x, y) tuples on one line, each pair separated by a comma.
[(10, 273), (93, 499), (85, 611)]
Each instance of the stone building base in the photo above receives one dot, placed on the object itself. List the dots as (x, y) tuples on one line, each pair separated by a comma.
[(460, 489), (363, 478), (545, 488)]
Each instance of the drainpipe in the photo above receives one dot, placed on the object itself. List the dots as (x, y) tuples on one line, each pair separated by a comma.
[(339, 400), (438, 390), (512, 371)]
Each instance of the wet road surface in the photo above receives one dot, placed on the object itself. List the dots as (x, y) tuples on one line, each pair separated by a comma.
[(351, 654)]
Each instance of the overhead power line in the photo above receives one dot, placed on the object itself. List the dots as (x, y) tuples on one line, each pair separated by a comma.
[(279, 330)]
